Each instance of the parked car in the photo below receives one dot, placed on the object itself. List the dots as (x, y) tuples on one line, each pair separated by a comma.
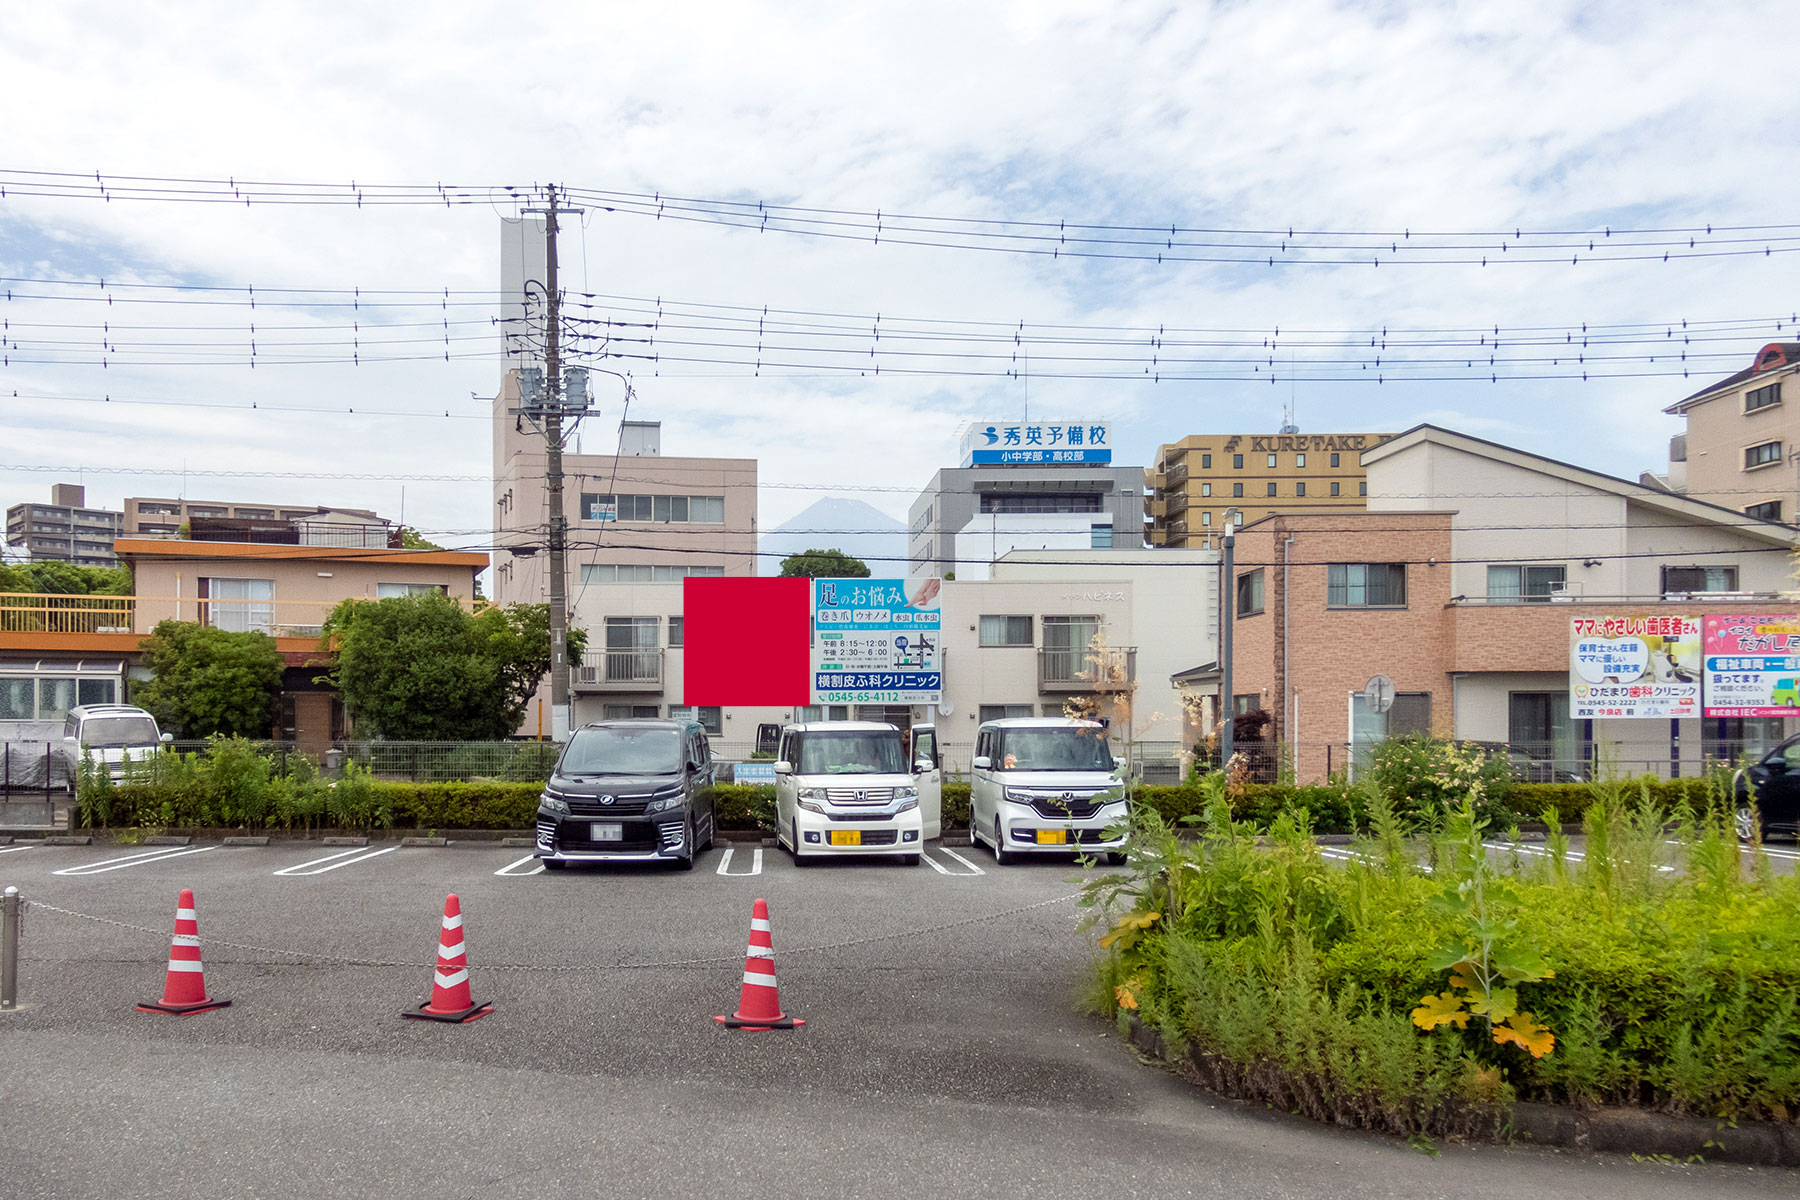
[(1768, 793), (629, 790), (1046, 785), (847, 788), (114, 734)]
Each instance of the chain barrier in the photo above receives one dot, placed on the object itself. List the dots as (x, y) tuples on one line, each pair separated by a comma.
[(304, 956)]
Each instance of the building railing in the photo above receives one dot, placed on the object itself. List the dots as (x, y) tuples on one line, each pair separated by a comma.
[(620, 670), (1090, 669), (1582, 597), (40, 612)]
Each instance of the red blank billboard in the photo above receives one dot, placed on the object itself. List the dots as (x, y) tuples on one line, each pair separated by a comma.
[(747, 641)]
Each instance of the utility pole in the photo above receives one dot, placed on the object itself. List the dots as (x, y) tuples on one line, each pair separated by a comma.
[(1227, 619), (553, 400)]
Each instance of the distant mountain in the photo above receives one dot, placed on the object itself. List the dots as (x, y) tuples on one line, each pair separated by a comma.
[(857, 529)]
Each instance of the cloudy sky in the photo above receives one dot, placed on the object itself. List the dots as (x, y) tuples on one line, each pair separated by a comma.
[(1464, 119)]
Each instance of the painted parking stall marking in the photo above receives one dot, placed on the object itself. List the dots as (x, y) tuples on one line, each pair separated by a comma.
[(1542, 852), (12, 849), (756, 861), (142, 859), (332, 862), (968, 869), (511, 869)]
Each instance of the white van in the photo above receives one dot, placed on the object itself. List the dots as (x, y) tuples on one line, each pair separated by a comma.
[(114, 734), (847, 788), (1045, 785)]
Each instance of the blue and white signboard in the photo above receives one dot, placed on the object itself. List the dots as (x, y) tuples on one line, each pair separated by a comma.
[(1037, 443), (753, 772), (877, 641)]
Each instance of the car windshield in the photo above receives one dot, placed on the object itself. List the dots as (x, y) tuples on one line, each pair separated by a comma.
[(622, 752), (859, 752), (118, 731), (1065, 749)]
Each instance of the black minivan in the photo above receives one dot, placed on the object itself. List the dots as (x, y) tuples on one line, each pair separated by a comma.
[(629, 791), (1768, 794)]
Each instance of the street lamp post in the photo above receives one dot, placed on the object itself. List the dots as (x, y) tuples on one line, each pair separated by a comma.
[(1227, 604)]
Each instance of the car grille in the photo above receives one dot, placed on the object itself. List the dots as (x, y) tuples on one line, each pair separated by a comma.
[(879, 796), (870, 816), (638, 837), (880, 837), (1080, 808), (1077, 837), (622, 806)]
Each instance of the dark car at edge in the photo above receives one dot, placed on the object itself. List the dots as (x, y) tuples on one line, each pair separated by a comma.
[(629, 791)]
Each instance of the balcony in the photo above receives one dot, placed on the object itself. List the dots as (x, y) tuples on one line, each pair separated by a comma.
[(30, 612), (1156, 478), (619, 671), (1156, 508), (1093, 670), (1157, 536)]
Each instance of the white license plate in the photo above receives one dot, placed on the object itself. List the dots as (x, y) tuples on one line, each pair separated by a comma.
[(607, 831)]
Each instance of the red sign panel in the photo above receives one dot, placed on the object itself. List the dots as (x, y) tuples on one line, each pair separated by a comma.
[(746, 641)]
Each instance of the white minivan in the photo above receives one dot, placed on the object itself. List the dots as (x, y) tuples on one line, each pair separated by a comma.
[(1045, 785), (848, 788), (113, 734)]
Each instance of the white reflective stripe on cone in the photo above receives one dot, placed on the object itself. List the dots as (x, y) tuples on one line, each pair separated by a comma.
[(451, 951), (759, 952), (453, 922), (178, 964), (452, 979), (756, 980), (759, 925), (186, 914), (185, 939)]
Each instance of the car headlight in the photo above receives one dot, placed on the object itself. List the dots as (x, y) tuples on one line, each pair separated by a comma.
[(554, 803), (810, 794), (1016, 796), (1112, 795), (906, 793), (664, 803), (810, 806), (907, 805)]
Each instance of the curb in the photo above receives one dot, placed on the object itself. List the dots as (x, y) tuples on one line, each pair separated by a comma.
[(69, 840), (517, 843), (246, 841), (1632, 1131), (344, 841), (167, 839), (424, 841)]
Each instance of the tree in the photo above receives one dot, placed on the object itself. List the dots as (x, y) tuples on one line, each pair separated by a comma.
[(825, 564), (66, 579), (209, 681), (411, 539), (421, 668)]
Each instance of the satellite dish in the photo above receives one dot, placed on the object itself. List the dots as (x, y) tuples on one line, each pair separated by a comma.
[(945, 708), (1378, 693)]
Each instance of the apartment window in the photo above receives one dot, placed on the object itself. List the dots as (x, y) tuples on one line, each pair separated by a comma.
[(1206, 462), (1362, 488), (238, 605), (1250, 593), (1100, 537), (642, 572), (1769, 511), (1237, 462), (1299, 460), (631, 633), (1762, 456), (1271, 462), (1365, 585), (1762, 397), (676, 633), (1334, 488), (1334, 460), (1206, 489), (1041, 502), (1299, 489), (807, 713), (1523, 583), (1411, 713), (625, 712), (673, 510), (1699, 579), (1000, 712), (1538, 727), (49, 697), (1237, 490), (1206, 518), (710, 716), (384, 591), (1005, 631), (1271, 490)]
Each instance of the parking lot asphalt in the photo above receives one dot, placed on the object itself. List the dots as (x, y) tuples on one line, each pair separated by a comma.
[(944, 1049)]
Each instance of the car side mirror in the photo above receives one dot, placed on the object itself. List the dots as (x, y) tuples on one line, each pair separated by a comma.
[(981, 762), (167, 738), (69, 738), (1777, 766), (922, 766), (784, 768)]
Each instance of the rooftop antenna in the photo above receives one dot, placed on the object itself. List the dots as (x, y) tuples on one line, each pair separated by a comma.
[(1287, 414)]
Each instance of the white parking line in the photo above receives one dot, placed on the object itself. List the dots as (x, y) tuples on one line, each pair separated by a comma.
[(319, 866), (755, 863), (10, 849), (1340, 854), (1742, 849), (1541, 852), (130, 860), (508, 871), (933, 863)]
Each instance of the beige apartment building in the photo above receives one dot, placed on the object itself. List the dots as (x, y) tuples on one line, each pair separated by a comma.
[(312, 524), (1196, 480), (1741, 449)]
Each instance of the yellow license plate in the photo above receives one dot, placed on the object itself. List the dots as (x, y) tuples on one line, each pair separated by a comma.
[(846, 837), (1053, 837)]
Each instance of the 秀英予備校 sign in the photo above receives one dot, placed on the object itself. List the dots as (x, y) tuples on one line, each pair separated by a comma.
[(1037, 443), (1753, 665), (877, 641), (1631, 667)]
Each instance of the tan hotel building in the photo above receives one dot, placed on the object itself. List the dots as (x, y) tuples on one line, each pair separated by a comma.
[(1194, 481)]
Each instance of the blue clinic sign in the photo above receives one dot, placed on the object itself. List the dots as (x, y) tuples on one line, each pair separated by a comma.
[(1036, 443), (753, 772), (877, 641)]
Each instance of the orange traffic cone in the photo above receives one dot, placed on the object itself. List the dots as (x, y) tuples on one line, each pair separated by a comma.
[(450, 985), (184, 990), (759, 1005)]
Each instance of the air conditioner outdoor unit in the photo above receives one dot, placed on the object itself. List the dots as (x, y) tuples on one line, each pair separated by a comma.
[(1567, 592)]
